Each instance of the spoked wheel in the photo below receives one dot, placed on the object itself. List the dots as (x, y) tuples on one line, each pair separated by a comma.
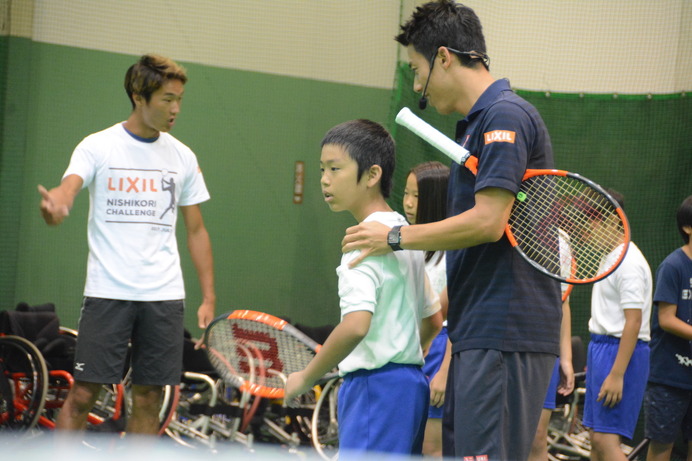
[(325, 426), (23, 384)]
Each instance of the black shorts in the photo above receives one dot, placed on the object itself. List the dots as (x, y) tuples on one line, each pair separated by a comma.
[(108, 327), (668, 413), (493, 403)]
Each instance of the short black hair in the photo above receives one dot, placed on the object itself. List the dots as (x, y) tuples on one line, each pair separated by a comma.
[(149, 73), (617, 196), (368, 143), (445, 23), (684, 218)]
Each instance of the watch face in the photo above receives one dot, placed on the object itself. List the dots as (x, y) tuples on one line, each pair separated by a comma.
[(394, 237)]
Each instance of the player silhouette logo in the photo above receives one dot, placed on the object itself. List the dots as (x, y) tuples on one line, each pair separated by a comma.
[(168, 185)]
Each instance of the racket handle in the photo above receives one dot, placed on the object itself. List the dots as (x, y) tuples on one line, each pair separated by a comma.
[(432, 135)]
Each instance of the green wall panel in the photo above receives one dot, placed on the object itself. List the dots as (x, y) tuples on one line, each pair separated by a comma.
[(638, 145), (247, 129)]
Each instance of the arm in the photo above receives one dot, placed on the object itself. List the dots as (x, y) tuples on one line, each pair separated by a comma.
[(57, 202), (340, 343), (483, 223), (430, 327), (444, 303), (199, 245), (438, 384), (670, 323), (611, 390), (432, 324), (566, 385)]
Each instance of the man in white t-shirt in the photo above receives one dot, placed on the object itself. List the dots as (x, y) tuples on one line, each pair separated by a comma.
[(138, 177)]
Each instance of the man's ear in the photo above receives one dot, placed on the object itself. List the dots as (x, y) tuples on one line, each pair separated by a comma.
[(445, 56), (374, 175), (138, 99)]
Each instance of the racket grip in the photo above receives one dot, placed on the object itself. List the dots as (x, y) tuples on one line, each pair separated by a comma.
[(432, 135)]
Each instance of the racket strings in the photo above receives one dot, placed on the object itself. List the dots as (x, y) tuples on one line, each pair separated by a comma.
[(278, 350), (553, 212)]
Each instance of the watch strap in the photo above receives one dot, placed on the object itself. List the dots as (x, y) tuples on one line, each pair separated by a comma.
[(394, 238)]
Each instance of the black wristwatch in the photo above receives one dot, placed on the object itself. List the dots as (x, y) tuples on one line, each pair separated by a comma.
[(394, 238)]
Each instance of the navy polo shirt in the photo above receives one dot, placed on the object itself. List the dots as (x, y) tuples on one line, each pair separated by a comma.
[(496, 299)]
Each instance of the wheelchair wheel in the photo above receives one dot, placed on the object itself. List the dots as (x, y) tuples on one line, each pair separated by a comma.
[(325, 426), (23, 383)]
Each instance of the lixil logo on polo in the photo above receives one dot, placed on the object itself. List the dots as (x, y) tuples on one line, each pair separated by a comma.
[(499, 136)]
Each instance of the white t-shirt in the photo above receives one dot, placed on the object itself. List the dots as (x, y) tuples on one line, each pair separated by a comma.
[(396, 290), (436, 269), (135, 189), (628, 287)]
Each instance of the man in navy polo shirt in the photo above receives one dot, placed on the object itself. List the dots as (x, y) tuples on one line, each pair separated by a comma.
[(504, 317)]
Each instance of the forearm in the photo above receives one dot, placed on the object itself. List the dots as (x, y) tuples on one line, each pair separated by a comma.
[(670, 323), (340, 343), (199, 245), (451, 234), (481, 224), (679, 328), (68, 189), (566, 333), (446, 360), (430, 328), (628, 342)]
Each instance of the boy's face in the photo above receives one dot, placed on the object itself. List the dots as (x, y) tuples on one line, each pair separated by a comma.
[(160, 112), (339, 181)]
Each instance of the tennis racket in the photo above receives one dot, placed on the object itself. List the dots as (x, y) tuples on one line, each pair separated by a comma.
[(281, 347), (568, 265), (550, 201)]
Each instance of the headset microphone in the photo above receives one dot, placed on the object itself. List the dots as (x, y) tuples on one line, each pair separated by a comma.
[(423, 102)]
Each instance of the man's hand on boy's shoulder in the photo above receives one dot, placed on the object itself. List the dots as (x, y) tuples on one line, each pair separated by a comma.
[(369, 237)]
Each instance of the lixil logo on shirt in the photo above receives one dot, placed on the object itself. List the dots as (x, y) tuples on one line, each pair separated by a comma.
[(499, 136), (145, 186)]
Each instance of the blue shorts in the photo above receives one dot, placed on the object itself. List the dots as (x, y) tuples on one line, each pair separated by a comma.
[(622, 418), (433, 361), (551, 395), (383, 410), (668, 411)]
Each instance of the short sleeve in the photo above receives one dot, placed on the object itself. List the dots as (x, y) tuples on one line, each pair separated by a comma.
[(358, 286)]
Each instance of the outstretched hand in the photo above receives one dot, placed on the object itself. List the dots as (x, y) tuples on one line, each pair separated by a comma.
[(369, 237), (53, 212)]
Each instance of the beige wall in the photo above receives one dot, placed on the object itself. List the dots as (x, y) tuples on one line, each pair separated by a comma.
[(593, 46)]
